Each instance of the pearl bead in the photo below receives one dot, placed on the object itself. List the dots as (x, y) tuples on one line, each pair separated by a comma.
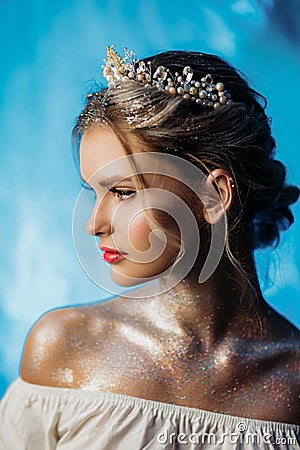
[(140, 77), (109, 78), (197, 84), (223, 100), (220, 86), (124, 78), (187, 96), (202, 94), (172, 90), (217, 106), (130, 74), (179, 79), (193, 91), (180, 90)]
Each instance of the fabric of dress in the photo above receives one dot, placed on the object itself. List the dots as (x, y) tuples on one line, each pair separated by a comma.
[(34, 417)]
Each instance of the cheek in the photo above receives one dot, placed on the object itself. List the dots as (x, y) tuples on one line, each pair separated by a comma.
[(138, 232)]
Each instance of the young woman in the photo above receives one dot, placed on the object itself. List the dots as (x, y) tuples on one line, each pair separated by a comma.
[(179, 153)]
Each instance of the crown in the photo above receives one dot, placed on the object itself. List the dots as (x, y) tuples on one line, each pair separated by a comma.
[(204, 92)]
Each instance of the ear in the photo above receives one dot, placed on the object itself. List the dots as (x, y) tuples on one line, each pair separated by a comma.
[(225, 183)]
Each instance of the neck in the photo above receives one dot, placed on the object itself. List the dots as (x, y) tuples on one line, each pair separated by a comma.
[(221, 307)]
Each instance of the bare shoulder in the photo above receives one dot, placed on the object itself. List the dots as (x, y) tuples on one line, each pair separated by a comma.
[(58, 335)]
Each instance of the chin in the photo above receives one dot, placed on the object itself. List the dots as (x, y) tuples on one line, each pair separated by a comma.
[(126, 280)]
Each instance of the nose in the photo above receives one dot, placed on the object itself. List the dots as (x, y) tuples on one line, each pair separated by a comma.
[(100, 220)]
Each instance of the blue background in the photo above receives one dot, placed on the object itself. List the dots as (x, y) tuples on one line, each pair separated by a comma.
[(51, 51)]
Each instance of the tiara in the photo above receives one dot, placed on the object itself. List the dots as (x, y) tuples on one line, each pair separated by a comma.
[(204, 92)]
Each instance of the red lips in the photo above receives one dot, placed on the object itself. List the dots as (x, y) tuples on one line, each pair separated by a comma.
[(111, 255)]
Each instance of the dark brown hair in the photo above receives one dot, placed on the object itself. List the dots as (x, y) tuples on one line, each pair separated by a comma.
[(236, 137)]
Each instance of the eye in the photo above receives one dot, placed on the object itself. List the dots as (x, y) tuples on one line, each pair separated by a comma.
[(123, 194)]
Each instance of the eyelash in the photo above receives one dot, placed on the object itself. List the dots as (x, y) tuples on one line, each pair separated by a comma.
[(120, 192)]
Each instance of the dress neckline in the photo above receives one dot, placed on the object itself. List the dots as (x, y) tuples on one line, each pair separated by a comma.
[(169, 408)]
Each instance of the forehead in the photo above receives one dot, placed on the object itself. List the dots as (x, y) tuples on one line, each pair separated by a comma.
[(99, 147), (103, 157)]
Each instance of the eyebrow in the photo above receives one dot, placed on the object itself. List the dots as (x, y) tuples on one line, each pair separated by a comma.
[(110, 181)]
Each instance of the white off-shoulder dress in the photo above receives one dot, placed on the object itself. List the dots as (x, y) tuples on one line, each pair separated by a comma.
[(34, 417)]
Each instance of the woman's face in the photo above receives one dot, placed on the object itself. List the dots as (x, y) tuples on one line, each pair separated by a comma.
[(119, 218)]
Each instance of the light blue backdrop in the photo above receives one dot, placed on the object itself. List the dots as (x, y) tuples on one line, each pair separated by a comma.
[(50, 50)]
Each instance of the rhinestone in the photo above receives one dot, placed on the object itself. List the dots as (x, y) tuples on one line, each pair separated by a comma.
[(187, 87), (198, 101), (160, 73), (214, 97), (188, 73)]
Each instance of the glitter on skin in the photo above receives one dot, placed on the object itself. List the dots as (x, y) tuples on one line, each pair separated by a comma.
[(197, 345)]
